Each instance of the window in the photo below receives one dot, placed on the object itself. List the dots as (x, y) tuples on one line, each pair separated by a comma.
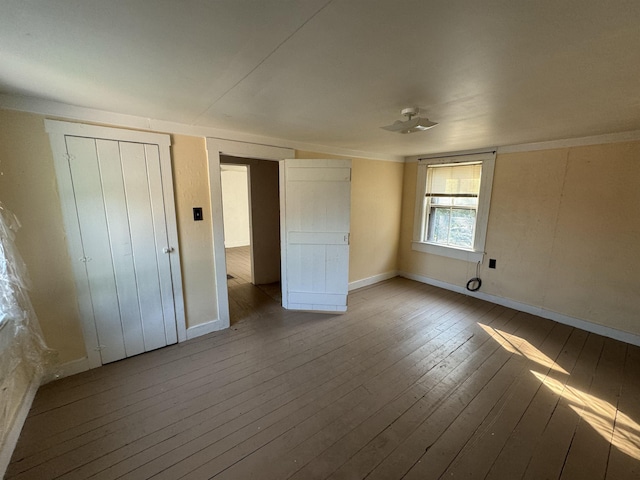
[(452, 205)]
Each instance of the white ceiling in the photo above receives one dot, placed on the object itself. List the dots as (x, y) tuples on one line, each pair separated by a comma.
[(332, 72)]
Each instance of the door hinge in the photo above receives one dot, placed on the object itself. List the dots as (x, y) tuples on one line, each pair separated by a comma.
[(347, 237), (99, 348), (167, 249), (85, 259)]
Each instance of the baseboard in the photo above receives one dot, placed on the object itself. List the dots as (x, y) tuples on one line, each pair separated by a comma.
[(621, 335), (13, 434), (71, 368), (365, 282), (203, 329)]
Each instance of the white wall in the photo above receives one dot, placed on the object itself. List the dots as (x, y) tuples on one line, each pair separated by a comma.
[(235, 204)]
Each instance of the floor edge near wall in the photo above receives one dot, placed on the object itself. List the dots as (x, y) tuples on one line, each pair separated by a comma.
[(365, 282), (603, 330)]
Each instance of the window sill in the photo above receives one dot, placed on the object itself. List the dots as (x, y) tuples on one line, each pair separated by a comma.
[(451, 252)]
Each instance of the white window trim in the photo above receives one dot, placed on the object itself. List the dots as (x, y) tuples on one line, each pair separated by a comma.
[(488, 159)]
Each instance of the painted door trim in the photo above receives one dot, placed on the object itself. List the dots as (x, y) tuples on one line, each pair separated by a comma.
[(215, 148)]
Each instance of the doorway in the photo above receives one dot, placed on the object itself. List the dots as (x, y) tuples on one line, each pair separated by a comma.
[(251, 218), (319, 285)]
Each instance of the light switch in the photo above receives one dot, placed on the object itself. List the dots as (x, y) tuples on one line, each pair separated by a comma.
[(197, 214)]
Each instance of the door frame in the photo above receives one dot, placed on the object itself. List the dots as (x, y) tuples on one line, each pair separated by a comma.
[(57, 131), (215, 148)]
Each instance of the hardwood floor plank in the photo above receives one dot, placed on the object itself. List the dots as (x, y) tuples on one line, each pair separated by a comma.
[(589, 451), (550, 451), (326, 451), (518, 449), (450, 340), (482, 448), (82, 456), (162, 382), (194, 454), (339, 364), (484, 379), (398, 422), (413, 381), (624, 456), (481, 410)]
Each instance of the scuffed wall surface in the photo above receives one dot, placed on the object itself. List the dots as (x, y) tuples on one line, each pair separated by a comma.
[(563, 227)]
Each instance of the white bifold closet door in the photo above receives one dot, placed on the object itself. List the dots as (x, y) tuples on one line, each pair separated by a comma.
[(118, 193)]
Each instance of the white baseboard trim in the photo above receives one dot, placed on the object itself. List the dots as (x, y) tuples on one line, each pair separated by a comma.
[(82, 364), (203, 329), (13, 432), (71, 368), (365, 282), (623, 336)]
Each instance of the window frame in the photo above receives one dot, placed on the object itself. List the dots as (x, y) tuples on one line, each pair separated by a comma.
[(475, 254)]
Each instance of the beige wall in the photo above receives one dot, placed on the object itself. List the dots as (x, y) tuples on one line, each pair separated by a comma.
[(28, 188), (191, 188), (376, 193), (564, 229)]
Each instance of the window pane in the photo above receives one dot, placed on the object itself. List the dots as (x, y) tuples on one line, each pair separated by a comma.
[(439, 225), (462, 225), (451, 226)]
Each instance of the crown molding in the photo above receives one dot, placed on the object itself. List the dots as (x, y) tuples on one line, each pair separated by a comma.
[(619, 137), (72, 112)]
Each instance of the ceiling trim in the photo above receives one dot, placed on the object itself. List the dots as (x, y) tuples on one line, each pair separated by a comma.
[(619, 137), (73, 112)]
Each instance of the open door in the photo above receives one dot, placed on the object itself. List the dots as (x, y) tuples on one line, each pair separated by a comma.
[(315, 218)]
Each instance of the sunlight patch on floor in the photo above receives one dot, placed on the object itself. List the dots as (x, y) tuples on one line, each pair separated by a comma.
[(520, 346), (600, 414)]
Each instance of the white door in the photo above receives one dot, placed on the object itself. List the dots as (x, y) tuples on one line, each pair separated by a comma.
[(119, 202), (315, 229)]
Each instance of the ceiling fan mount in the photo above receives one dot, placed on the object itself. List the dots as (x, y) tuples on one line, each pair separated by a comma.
[(410, 112), (411, 125)]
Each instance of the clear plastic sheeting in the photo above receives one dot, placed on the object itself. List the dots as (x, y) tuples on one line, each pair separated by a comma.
[(24, 356)]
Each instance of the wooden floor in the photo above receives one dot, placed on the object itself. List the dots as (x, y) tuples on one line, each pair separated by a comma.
[(247, 301), (413, 382)]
